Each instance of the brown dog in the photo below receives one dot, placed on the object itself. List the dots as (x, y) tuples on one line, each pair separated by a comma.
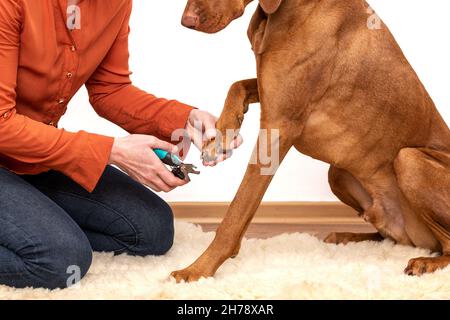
[(341, 91)]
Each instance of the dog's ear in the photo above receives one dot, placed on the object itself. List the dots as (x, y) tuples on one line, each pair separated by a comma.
[(270, 6)]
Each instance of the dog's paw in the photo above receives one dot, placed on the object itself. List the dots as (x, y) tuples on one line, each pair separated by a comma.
[(347, 237), (338, 238), (189, 275), (420, 266), (210, 151)]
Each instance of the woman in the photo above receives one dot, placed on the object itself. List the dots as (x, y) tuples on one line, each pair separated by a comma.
[(60, 199)]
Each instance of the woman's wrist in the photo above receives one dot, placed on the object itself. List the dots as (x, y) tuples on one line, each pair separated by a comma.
[(116, 152)]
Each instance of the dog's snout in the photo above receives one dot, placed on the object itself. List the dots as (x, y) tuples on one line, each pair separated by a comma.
[(190, 21)]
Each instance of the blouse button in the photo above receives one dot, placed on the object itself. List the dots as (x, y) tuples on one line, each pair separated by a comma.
[(73, 48), (69, 75), (61, 101), (6, 114), (51, 123)]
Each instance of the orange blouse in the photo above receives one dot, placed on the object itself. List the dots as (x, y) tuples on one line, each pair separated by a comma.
[(43, 64)]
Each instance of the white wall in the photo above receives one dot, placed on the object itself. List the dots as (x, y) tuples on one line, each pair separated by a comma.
[(174, 62)]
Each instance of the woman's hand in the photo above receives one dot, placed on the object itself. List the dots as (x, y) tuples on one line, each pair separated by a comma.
[(201, 127), (134, 155)]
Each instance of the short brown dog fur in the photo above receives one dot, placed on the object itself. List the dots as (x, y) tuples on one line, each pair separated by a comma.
[(344, 93)]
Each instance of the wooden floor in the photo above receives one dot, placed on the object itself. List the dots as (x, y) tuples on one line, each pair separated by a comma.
[(321, 230)]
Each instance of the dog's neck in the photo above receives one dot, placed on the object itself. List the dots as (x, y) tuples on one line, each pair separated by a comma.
[(292, 13), (298, 10)]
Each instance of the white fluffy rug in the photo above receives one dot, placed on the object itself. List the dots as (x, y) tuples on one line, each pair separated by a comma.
[(295, 266)]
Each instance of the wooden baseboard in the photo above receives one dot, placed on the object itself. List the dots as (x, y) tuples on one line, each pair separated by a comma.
[(271, 212)]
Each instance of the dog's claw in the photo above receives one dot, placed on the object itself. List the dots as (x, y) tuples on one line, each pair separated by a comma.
[(208, 158), (331, 238), (188, 275)]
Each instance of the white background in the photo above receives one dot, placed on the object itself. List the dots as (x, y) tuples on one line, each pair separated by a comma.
[(173, 62)]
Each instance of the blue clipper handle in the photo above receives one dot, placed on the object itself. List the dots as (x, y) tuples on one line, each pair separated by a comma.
[(168, 158)]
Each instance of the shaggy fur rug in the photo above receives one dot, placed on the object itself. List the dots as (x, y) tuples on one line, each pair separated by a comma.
[(290, 266)]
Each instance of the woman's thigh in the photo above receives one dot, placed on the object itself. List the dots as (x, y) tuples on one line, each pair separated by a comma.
[(39, 241), (120, 215)]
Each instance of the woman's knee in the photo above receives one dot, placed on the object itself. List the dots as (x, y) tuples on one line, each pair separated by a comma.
[(62, 264), (156, 229), (144, 223)]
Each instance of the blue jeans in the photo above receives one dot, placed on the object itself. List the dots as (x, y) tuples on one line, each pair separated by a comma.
[(49, 225)]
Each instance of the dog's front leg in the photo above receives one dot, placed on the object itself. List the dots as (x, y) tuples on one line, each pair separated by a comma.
[(241, 211), (240, 96)]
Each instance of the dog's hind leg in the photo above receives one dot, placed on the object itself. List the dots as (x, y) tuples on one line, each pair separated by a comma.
[(350, 191), (424, 178)]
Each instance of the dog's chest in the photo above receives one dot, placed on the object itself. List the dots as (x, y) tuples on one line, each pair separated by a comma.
[(327, 138)]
